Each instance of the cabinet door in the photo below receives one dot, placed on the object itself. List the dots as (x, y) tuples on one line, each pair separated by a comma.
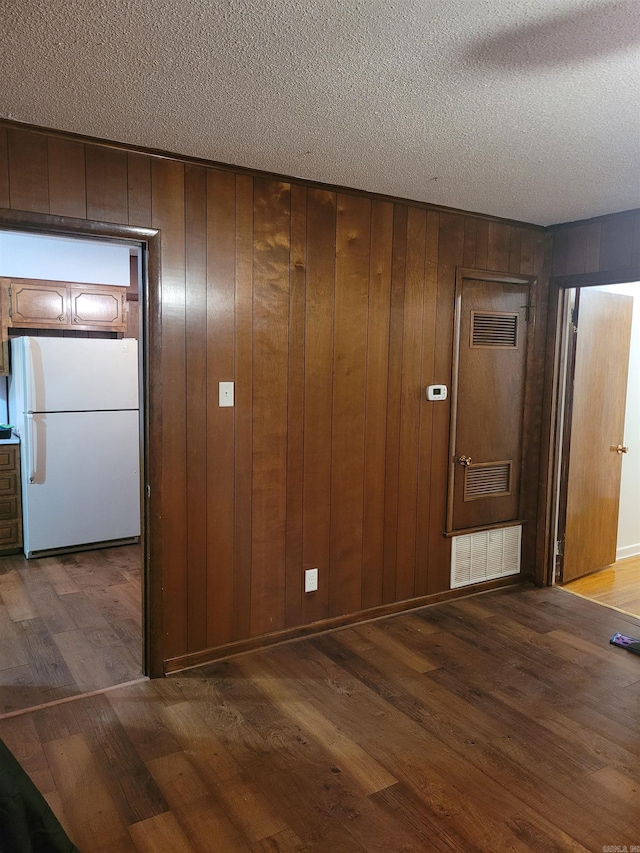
[(38, 305), (93, 307), (10, 499)]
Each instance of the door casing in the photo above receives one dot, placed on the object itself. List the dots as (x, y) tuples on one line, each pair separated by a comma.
[(149, 241), (552, 471)]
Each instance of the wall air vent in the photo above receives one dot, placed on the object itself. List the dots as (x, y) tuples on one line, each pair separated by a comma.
[(487, 480), (483, 556), (494, 329)]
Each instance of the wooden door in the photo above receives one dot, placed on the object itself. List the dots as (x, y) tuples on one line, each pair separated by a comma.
[(488, 395), (597, 431)]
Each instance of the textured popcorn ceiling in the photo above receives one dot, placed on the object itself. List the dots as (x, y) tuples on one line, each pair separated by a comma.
[(523, 109)]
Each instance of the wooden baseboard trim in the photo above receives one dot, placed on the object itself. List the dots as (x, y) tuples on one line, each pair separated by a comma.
[(194, 659)]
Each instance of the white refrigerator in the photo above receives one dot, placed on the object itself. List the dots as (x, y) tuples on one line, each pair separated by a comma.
[(74, 403)]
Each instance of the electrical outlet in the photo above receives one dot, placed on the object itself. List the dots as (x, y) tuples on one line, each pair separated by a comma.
[(310, 580)]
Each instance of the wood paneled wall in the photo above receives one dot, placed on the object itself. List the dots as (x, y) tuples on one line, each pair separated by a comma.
[(331, 311), (609, 245)]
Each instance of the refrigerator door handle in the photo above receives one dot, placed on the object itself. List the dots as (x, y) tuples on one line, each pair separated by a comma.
[(27, 373), (30, 448)]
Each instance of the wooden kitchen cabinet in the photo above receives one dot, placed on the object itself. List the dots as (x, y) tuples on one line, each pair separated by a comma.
[(10, 499), (34, 304), (97, 307)]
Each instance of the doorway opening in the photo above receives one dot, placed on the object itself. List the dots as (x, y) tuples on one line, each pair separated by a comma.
[(81, 619), (597, 522)]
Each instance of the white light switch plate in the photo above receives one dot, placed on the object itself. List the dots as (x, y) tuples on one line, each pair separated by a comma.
[(225, 393)]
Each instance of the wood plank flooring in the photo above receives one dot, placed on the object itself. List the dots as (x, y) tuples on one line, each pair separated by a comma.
[(618, 585), (68, 625), (501, 722)]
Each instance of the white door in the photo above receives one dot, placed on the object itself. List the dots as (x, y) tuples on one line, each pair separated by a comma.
[(80, 478)]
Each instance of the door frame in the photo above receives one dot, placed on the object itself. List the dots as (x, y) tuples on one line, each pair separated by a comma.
[(148, 239), (553, 468)]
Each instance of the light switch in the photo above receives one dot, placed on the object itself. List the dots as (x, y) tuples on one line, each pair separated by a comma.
[(225, 394)]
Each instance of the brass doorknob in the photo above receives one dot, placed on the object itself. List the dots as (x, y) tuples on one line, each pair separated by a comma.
[(465, 461), (619, 448)]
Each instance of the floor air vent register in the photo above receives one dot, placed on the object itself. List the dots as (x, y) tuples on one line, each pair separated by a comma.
[(485, 555)]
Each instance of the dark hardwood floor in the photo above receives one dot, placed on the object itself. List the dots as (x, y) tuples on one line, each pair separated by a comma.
[(68, 625), (501, 722)]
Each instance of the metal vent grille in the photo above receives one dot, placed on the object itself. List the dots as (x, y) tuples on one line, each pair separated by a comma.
[(487, 480), (493, 329), (486, 555)]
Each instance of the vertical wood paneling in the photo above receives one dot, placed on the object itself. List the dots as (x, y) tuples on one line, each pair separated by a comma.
[(410, 403), (482, 245), (106, 184), (515, 242), (450, 253), (270, 360), (347, 427), (67, 188), (592, 251), (394, 396), (168, 214), (533, 503), (139, 189), (197, 393), (610, 243), (429, 320), (28, 171), (576, 251), (527, 247), (635, 254), (561, 245), (243, 407), (219, 346), (318, 375), (295, 407), (331, 326), (470, 241), (4, 168), (616, 245), (498, 250), (376, 401)]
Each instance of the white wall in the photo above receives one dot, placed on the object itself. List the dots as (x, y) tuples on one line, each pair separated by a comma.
[(63, 259), (629, 520)]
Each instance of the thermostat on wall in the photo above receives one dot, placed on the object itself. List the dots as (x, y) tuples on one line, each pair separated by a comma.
[(437, 392)]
